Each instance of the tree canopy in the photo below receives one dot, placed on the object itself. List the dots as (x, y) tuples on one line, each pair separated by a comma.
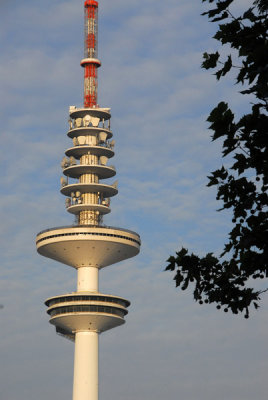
[(231, 280)]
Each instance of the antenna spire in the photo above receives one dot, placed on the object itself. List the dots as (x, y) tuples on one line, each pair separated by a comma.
[(90, 62)]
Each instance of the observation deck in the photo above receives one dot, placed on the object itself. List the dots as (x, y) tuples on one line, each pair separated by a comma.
[(86, 245), (82, 311)]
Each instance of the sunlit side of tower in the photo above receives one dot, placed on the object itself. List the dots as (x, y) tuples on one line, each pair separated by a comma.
[(88, 245)]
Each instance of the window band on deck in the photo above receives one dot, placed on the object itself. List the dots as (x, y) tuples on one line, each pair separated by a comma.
[(87, 308), (88, 233), (72, 298)]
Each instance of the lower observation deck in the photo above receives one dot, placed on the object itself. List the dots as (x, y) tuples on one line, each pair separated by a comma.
[(86, 311), (86, 245)]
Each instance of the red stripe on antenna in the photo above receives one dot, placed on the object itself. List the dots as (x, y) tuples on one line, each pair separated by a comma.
[(90, 61)]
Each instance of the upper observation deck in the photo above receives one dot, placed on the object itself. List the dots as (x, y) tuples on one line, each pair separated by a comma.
[(87, 245)]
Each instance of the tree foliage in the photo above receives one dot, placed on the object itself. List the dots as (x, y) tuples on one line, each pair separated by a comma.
[(227, 280)]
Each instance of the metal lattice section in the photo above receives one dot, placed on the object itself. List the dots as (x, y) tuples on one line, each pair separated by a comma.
[(90, 62), (91, 30)]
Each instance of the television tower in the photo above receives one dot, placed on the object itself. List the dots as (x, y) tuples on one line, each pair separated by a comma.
[(88, 245)]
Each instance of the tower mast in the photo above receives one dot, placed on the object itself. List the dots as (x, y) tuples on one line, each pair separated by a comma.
[(90, 61), (88, 245)]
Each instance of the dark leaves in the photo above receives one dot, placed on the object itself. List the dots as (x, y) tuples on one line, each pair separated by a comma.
[(221, 118), (221, 6), (226, 68), (242, 186), (210, 60)]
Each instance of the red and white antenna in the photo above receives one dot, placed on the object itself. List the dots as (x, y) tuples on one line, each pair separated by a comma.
[(90, 62)]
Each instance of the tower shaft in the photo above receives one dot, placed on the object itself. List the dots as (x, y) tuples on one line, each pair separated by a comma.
[(88, 279), (86, 366)]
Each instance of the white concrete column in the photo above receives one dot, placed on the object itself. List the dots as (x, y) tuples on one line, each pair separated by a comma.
[(85, 386), (87, 279)]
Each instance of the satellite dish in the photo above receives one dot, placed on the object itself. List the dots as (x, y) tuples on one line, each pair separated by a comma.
[(63, 162), (78, 122), (81, 140), (66, 161), (75, 141), (67, 202), (72, 161), (115, 185), (86, 120), (63, 181), (103, 160), (95, 121), (103, 136), (106, 202)]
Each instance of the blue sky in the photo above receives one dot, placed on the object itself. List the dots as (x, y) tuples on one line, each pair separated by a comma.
[(151, 78)]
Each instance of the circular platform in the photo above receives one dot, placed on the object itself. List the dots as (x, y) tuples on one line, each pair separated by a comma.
[(77, 208), (102, 113), (86, 311), (103, 171), (80, 245), (106, 190), (79, 151), (87, 131)]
